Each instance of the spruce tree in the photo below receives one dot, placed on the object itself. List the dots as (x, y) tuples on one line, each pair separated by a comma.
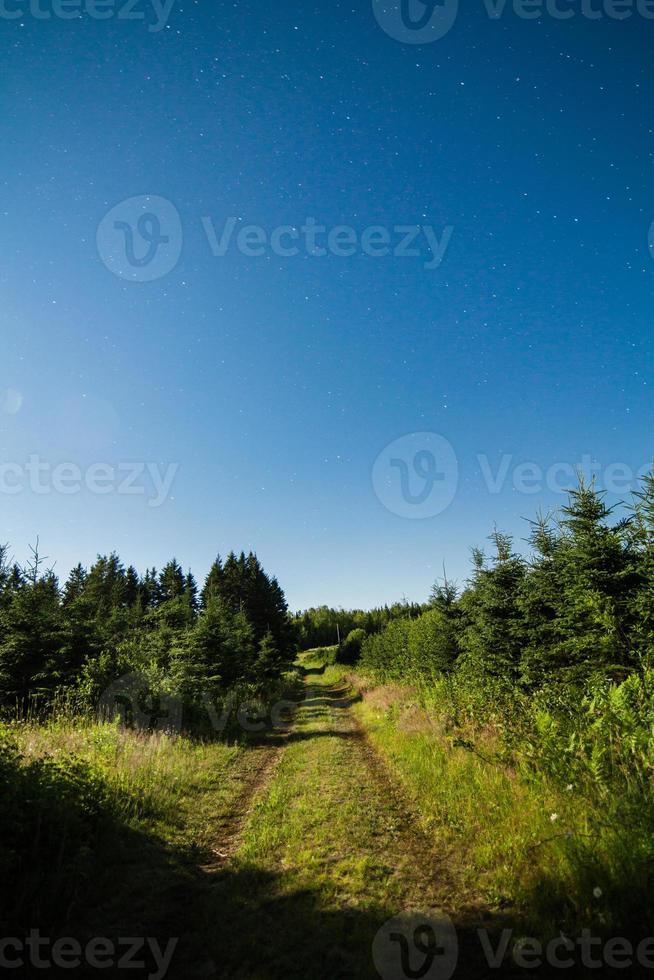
[(595, 574), (492, 638), (640, 533), (31, 663), (212, 584)]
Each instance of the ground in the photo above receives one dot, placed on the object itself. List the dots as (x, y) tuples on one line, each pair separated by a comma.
[(318, 850)]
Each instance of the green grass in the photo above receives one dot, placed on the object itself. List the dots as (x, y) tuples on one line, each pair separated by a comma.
[(283, 859), (327, 855), (545, 852), (101, 825), (153, 779)]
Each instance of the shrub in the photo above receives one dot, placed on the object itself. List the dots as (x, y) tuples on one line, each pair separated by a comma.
[(350, 649), (51, 813)]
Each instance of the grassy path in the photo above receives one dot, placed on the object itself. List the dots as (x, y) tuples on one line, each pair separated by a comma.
[(329, 852), (283, 859)]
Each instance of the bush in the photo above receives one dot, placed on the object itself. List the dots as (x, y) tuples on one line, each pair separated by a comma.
[(350, 649), (51, 813)]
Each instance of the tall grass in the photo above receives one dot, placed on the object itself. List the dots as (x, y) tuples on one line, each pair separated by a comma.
[(71, 789), (546, 802)]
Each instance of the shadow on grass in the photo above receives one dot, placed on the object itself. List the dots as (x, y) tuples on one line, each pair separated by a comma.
[(256, 928), (245, 923)]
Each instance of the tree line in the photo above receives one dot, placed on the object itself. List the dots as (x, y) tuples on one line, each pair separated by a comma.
[(579, 605), (324, 626), (108, 621)]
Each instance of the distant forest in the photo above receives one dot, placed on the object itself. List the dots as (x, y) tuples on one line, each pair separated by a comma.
[(108, 621)]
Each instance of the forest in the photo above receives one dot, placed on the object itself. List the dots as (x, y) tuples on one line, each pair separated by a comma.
[(172, 638)]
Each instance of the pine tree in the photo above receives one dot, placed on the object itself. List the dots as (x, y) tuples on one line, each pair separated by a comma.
[(213, 582), (269, 661), (595, 573), (640, 533), (232, 585), (539, 602), (492, 637), (31, 665), (132, 587), (191, 593), (81, 623), (149, 589), (175, 599), (215, 654), (75, 585), (171, 581)]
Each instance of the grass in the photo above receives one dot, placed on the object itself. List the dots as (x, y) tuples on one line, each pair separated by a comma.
[(544, 852), (154, 780), (283, 859), (328, 854), (103, 827)]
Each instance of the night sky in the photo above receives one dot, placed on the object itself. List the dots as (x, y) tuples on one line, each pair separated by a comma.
[(271, 382)]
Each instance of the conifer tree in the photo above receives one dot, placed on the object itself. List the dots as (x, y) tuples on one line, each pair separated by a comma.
[(191, 593), (171, 581), (212, 585), (640, 533), (594, 572), (492, 638), (31, 664)]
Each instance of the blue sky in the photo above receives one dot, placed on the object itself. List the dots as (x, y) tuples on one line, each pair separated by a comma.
[(272, 383)]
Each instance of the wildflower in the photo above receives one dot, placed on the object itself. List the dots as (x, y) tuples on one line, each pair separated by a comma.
[(569, 788), (554, 817), (597, 892)]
